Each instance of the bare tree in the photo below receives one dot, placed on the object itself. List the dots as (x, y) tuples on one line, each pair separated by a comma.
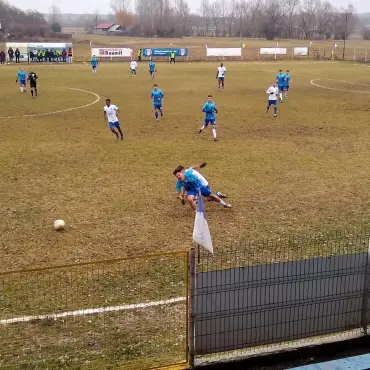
[(120, 5), (182, 12), (273, 16), (205, 11), (216, 13), (55, 18)]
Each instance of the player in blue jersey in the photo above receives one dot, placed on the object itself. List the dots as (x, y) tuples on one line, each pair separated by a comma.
[(152, 69), (94, 64), (209, 108), (281, 81), (22, 78), (157, 96), (196, 183), (288, 81)]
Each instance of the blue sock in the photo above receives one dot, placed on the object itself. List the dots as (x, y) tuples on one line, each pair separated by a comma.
[(156, 115), (275, 110)]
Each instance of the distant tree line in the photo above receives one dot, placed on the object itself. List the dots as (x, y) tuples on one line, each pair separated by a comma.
[(304, 19)]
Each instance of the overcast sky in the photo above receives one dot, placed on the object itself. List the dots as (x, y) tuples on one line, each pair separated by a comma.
[(89, 6)]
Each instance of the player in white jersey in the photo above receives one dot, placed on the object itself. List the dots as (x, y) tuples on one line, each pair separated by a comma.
[(220, 76), (273, 93), (133, 67), (196, 183), (110, 114)]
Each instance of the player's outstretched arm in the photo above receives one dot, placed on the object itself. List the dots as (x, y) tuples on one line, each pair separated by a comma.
[(199, 166)]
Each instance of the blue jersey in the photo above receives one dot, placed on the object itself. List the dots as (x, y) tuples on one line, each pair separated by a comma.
[(157, 96), (281, 79), (209, 109), (288, 77), (194, 180), (94, 62), (151, 66), (183, 184), (22, 75)]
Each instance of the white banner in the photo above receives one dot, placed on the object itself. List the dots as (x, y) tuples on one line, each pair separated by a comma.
[(273, 51), (301, 51), (224, 52), (111, 52)]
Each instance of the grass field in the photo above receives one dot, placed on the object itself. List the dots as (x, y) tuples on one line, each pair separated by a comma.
[(306, 170)]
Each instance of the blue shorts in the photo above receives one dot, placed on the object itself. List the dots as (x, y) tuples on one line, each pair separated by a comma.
[(114, 124), (158, 106), (287, 87), (205, 191), (209, 121), (281, 88), (22, 82), (94, 67), (151, 72), (221, 78), (272, 102)]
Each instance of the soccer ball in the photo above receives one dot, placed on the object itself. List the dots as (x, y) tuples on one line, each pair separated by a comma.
[(59, 225)]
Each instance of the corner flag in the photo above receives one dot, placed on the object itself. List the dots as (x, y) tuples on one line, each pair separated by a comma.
[(201, 234)]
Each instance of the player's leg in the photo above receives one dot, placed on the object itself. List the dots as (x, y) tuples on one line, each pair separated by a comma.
[(160, 109), (156, 112), (118, 126), (214, 132), (205, 125), (275, 108), (219, 83), (268, 106), (207, 192), (112, 128), (281, 89), (191, 200), (223, 83)]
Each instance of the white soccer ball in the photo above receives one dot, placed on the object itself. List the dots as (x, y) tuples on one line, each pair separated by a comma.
[(59, 225)]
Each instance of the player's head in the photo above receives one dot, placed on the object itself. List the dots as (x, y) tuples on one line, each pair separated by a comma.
[(280, 71), (155, 87), (274, 84), (93, 56), (222, 64), (287, 71), (179, 172), (209, 98), (107, 102)]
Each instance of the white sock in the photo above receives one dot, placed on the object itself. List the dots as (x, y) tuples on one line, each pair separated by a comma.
[(222, 202), (281, 96), (202, 128), (22, 89), (214, 133)]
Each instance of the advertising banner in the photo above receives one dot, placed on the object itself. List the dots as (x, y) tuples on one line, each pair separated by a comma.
[(164, 52), (301, 51), (21, 46), (111, 52), (224, 52), (273, 51)]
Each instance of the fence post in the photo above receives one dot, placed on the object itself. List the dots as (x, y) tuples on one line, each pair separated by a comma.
[(191, 322), (365, 304), (354, 54)]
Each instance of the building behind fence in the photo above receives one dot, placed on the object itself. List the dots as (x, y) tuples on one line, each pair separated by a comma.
[(186, 307)]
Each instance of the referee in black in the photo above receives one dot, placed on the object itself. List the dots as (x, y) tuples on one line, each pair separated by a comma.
[(32, 77)]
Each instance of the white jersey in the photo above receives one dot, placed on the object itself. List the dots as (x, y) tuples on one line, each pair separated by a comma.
[(221, 71), (111, 113), (273, 92), (133, 64)]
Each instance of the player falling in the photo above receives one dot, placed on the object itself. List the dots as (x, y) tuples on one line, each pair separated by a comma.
[(196, 183), (220, 76), (111, 115), (157, 96), (209, 108), (152, 69), (32, 78), (281, 82), (22, 77), (273, 92), (94, 64), (288, 81)]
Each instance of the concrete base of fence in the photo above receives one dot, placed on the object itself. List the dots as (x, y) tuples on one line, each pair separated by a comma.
[(240, 355)]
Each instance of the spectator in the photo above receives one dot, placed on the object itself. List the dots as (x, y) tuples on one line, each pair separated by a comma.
[(2, 57), (64, 55), (11, 55), (17, 55), (39, 56), (70, 55), (172, 57), (32, 56), (139, 54)]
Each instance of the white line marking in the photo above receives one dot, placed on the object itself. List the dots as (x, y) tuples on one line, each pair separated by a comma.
[(335, 89), (63, 110), (91, 311)]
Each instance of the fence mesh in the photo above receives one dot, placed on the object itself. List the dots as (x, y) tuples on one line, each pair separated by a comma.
[(287, 293), (126, 313)]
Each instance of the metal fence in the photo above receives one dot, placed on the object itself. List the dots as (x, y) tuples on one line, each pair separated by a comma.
[(124, 313), (283, 294)]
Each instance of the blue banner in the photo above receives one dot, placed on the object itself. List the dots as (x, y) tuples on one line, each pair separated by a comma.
[(164, 52)]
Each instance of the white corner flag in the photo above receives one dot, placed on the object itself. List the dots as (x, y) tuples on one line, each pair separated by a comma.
[(201, 234)]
